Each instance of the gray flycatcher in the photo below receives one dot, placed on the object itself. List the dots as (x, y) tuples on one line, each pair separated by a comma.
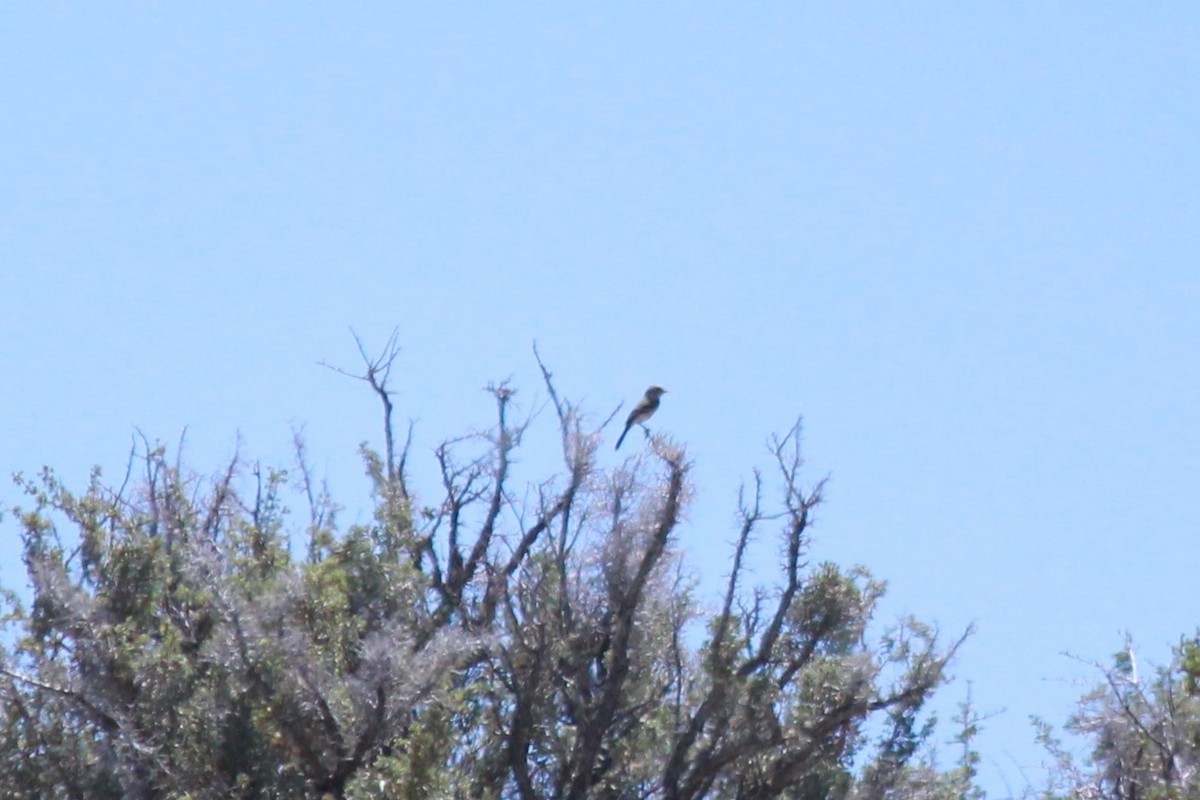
[(643, 411)]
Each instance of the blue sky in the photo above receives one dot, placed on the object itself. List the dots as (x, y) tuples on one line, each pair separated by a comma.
[(959, 239)]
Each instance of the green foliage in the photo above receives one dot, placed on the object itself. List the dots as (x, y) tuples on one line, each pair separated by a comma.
[(1143, 729), (176, 646), (1189, 664), (178, 649)]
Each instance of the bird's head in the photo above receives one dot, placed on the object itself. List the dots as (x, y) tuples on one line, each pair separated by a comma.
[(655, 392)]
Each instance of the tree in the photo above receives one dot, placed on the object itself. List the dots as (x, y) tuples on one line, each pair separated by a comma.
[(502, 641), (1143, 727)]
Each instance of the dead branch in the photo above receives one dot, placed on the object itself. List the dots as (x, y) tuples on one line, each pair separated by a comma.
[(583, 760), (378, 372)]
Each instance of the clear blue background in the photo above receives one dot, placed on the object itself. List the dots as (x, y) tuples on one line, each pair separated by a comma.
[(960, 240)]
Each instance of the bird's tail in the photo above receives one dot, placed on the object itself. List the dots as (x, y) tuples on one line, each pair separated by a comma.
[(622, 437)]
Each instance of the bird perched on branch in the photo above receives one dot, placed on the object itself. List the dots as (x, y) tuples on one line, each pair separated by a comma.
[(643, 411)]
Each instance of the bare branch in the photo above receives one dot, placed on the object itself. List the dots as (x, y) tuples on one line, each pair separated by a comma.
[(601, 717), (750, 517), (316, 515), (378, 371), (799, 509), (506, 440), (220, 494)]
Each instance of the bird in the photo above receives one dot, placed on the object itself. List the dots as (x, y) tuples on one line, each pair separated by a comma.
[(643, 411)]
